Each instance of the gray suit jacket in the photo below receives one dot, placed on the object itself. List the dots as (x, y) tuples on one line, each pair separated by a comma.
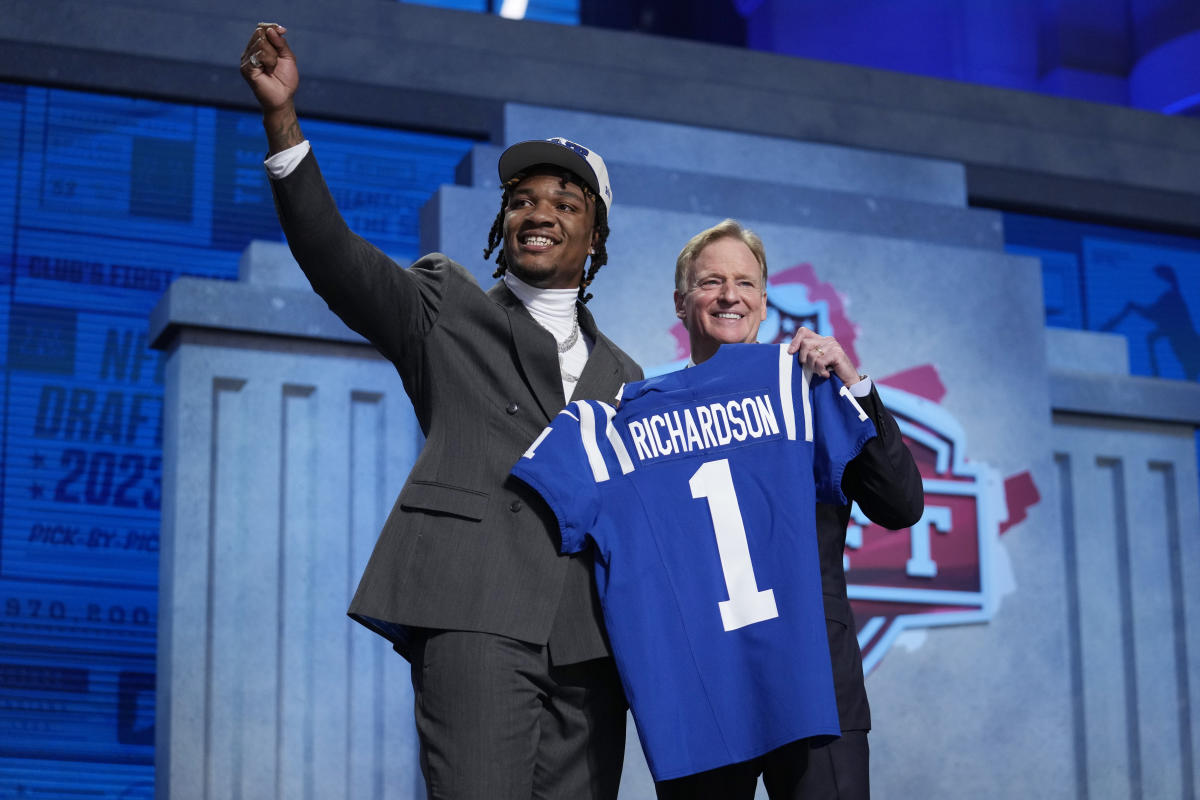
[(466, 547)]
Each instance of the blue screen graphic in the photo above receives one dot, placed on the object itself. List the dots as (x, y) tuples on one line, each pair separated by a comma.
[(105, 201), (1143, 285)]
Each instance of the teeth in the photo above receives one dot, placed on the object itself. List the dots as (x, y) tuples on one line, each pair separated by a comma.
[(729, 315), (538, 241)]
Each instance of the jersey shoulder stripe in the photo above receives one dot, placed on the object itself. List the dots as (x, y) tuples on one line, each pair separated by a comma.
[(614, 439), (600, 439), (786, 362)]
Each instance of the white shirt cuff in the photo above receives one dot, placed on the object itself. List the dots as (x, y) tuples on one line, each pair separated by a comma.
[(285, 162), (862, 388)]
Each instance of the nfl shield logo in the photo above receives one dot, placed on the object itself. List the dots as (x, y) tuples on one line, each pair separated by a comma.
[(940, 571), (944, 570)]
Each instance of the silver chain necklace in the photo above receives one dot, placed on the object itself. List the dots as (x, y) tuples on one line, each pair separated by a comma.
[(566, 344), (569, 342)]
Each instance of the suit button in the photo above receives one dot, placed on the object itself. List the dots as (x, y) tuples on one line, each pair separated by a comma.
[(513, 408), (514, 506)]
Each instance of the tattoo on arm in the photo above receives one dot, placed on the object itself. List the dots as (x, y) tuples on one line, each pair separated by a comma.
[(283, 131)]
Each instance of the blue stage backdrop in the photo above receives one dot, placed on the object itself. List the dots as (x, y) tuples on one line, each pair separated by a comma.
[(104, 201), (564, 12)]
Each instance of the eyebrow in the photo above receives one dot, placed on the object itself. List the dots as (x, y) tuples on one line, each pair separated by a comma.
[(743, 276)]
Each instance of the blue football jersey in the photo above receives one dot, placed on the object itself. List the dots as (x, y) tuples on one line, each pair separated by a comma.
[(699, 498)]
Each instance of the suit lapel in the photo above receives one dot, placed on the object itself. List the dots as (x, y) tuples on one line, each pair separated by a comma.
[(536, 351), (602, 373)]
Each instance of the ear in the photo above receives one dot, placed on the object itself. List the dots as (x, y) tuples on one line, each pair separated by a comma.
[(763, 314), (679, 310)]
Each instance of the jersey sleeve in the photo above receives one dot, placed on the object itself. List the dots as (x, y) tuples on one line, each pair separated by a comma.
[(556, 467), (840, 429)]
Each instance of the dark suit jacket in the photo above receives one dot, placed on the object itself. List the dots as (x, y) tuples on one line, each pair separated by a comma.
[(466, 547), (885, 482)]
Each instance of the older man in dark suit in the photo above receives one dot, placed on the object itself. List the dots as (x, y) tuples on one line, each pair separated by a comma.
[(516, 693), (721, 296)]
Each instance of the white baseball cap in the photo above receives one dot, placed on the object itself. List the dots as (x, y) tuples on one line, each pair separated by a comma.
[(560, 152)]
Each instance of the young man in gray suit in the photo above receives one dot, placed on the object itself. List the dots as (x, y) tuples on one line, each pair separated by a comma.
[(516, 693), (721, 297)]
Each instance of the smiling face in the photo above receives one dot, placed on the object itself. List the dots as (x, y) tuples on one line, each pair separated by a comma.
[(725, 300), (548, 230)]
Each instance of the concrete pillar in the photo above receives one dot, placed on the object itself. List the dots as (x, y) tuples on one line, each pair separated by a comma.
[(286, 438)]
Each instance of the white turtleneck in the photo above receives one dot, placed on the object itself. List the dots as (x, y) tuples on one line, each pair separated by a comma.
[(554, 310)]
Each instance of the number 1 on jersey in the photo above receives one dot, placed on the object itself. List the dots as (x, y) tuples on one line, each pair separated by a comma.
[(746, 604)]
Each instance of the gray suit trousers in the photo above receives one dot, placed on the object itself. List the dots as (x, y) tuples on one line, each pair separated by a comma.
[(497, 721)]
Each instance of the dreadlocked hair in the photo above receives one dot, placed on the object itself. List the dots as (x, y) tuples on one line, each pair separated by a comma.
[(496, 234), (600, 230)]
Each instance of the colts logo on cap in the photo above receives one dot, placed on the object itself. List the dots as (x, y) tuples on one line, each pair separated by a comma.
[(578, 148)]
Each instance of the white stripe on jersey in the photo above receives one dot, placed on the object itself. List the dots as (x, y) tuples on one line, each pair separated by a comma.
[(808, 422), (587, 432), (545, 432), (785, 395), (845, 392), (785, 392), (615, 439)]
